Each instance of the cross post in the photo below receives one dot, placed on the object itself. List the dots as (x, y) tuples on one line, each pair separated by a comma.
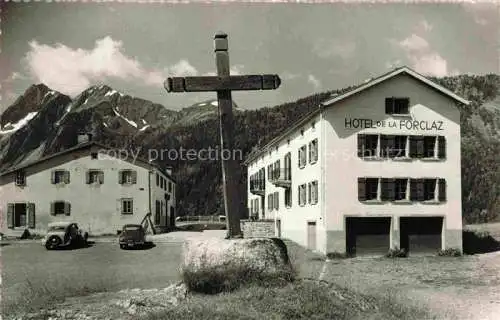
[(223, 84)]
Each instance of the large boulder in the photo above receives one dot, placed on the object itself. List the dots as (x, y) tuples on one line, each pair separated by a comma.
[(214, 265)]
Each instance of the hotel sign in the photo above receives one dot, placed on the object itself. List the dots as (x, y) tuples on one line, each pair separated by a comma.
[(422, 125)]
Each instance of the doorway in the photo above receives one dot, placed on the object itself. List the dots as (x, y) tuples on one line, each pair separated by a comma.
[(20, 215), (311, 235)]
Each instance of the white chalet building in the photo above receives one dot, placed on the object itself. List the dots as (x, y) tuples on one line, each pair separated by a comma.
[(90, 184), (372, 169)]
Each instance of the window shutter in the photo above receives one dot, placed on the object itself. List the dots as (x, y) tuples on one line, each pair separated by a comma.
[(384, 196), (276, 200), (120, 176), (420, 147), (31, 215), (134, 177), (87, 177), (413, 147), (67, 208), (420, 190), (391, 186), (101, 177), (309, 193), (53, 176), (442, 190), (10, 216), (315, 193), (441, 147), (299, 158), (66, 177), (361, 189), (413, 190), (52, 209), (388, 105), (361, 144)]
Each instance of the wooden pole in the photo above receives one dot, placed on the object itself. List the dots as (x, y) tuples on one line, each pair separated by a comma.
[(229, 165)]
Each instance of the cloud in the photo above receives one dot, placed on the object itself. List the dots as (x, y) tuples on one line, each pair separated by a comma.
[(328, 48), (289, 76), (71, 70), (422, 57), (314, 81), (236, 70)]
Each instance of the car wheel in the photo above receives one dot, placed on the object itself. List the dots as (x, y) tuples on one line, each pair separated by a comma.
[(122, 246), (52, 243)]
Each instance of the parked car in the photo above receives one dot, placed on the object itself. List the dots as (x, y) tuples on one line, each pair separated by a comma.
[(132, 235), (64, 234)]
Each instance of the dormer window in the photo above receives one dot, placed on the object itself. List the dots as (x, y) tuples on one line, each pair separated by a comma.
[(20, 178), (394, 105)]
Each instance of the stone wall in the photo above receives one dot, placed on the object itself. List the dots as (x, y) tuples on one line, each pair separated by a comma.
[(258, 228)]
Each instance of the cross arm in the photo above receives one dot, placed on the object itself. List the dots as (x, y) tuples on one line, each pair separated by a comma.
[(218, 83)]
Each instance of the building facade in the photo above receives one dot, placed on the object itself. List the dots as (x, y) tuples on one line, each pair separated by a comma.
[(90, 184), (373, 169)]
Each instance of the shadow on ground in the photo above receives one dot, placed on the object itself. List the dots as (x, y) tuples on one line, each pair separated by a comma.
[(147, 246), (475, 242), (89, 244)]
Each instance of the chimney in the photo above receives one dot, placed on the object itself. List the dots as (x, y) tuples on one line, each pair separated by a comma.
[(168, 170), (84, 137)]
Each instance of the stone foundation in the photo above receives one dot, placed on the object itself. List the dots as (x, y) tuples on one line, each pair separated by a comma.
[(258, 228)]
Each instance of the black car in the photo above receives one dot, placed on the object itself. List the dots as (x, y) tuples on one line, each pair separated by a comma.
[(132, 235)]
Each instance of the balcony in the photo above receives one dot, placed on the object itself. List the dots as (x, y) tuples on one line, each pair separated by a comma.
[(282, 178), (258, 187)]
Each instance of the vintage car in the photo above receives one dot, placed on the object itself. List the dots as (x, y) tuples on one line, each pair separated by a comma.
[(64, 234), (132, 235)]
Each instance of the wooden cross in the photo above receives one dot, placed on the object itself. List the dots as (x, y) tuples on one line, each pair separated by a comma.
[(223, 84)]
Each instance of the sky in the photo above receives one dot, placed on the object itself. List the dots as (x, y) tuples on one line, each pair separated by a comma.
[(134, 47)]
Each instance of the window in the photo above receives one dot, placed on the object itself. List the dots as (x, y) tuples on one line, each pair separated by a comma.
[(60, 176), (288, 166), (256, 206), (270, 172), (368, 189), (397, 105), (313, 151), (302, 156), (93, 155), (401, 189), (157, 180), (127, 177), (20, 178), (169, 186), (313, 192), (127, 206), (367, 145), (302, 195), (393, 146), (161, 182), (270, 202), (428, 190), (60, 207), (276, 199), (288, 197), (95, 177)]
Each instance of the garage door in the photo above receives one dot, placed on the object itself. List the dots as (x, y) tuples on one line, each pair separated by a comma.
[(368, 236), (421, 234)]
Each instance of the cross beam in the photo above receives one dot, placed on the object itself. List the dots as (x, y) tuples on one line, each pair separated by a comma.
[(223, 84), (215, 83)]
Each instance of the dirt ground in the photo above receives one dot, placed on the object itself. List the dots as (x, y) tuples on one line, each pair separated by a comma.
[(465, 287)]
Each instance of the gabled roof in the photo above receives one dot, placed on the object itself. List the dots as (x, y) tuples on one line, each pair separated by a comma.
[(76, 148), (392, 74), (352, 91)]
